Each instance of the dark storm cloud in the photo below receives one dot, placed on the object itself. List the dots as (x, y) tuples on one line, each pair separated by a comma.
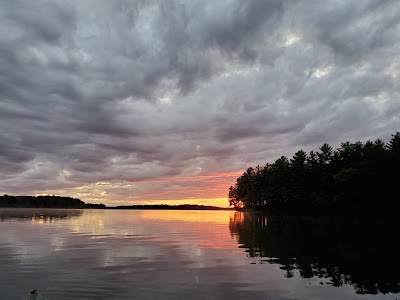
[(42, 20), (129, 91), (340, 29)]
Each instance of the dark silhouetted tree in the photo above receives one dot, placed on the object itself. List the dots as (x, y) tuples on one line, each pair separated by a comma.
[(354, 178)]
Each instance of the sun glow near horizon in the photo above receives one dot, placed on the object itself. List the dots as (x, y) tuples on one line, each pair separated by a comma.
[(209, 190)]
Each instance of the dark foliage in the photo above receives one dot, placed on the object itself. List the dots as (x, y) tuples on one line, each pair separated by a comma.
[(356, 177), (45, 202)]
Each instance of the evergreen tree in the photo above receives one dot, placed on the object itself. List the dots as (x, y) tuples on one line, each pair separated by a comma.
[(354, 178)]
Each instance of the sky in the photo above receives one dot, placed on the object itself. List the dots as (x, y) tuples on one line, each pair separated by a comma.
[(145, 102)]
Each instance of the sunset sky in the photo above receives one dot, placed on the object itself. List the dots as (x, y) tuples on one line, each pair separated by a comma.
[(133, 102)]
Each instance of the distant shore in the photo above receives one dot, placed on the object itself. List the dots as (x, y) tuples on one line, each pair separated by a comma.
[(172, 207), (53, 201), (45, 201)]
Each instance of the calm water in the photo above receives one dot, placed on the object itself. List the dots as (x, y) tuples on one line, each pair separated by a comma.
[(152, 254)]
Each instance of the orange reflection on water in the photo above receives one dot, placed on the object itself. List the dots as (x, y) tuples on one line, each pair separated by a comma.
[(211, 228), (197, 216), (201, 229)]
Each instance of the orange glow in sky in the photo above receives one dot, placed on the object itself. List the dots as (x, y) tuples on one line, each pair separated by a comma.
[(211, 189)]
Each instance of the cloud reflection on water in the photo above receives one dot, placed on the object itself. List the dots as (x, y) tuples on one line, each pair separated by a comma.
[(110, 254)]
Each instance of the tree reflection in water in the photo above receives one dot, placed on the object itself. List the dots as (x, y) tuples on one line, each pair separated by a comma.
[(362, 252), (39, 215)]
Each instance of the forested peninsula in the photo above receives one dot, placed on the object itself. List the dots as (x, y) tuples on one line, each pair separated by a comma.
[(355, 178), (45, 202)]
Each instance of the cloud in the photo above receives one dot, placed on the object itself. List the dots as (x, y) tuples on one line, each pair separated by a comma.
[(130, 92)]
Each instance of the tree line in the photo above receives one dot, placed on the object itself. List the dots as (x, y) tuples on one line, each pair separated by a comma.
[(45, 201), (355, 177)]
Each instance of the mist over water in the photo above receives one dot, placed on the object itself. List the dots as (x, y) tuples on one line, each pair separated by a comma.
[(155, 254)]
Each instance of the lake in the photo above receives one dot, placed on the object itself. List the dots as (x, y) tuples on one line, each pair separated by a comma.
[(172, 254)]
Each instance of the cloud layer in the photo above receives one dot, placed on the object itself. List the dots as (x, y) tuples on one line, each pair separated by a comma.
[(132, 101)]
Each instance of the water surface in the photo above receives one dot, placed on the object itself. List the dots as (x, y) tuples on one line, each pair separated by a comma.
[(155, 254)]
